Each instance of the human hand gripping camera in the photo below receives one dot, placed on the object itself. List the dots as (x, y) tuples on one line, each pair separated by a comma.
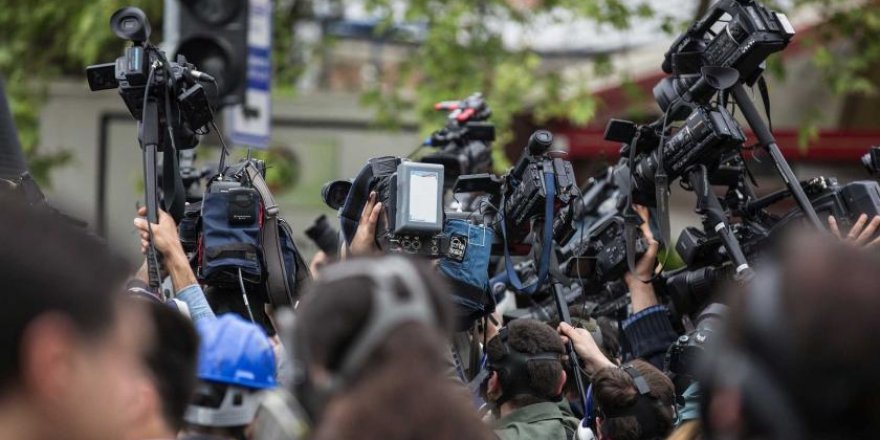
[(174, 261)]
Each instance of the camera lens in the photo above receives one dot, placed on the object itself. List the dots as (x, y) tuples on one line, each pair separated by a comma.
[(335, 192)]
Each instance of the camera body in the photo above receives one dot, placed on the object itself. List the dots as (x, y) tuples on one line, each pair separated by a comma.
[(412, 196), (463, 144), (525, 190), (520, 196), (144, 71), (752, 33), (845, 202), (600, 256), (708, 134)]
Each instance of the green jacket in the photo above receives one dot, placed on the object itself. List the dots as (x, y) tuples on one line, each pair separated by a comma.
[(539, 421)]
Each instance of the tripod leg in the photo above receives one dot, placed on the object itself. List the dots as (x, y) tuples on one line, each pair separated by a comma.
[(150, 140), (713, 216), (768, 141)]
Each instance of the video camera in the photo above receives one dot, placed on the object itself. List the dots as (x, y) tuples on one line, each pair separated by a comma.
[(463, 145), (324, 236), (540, 178), (734, 34), (706, 136), (144, 72), (412, 195), (233, 232), (171, 108)]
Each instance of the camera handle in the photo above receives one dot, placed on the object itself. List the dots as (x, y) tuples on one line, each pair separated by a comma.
[(766, 139), (714, 218), (149, 128), (573, 362)]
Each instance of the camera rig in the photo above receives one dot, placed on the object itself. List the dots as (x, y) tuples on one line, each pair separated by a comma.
[(168, 102), (463, 144)]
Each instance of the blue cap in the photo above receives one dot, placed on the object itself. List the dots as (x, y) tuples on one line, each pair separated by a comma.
[(235, 352)]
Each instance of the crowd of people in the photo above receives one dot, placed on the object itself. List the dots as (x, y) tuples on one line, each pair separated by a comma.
[(93, 353)]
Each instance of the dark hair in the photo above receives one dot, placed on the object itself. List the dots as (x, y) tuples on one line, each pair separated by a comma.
[(402, 391), (822, 349), (614, 389), (530, 336), (48, 265), (171, 360)]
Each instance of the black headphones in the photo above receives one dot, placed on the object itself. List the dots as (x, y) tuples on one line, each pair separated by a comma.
[(513, 372), (643, 409)]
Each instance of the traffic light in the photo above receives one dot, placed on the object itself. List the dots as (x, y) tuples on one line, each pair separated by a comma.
[(212, 34)]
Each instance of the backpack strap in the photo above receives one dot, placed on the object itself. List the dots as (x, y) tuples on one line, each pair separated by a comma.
[(277, 287)]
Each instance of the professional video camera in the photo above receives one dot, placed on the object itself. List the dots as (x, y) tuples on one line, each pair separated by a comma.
[(871, 162), (149, 83), (706, 136), (708, 265), (464, 143), (596, 253), (540, 186), (171, 108), (233, 230), (412, 195), (718, 54), (734, 34)]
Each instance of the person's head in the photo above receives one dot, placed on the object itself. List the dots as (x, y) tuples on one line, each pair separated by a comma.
[(633, 402), (799, 355), (370, 335), (526, 363), (71, 345), (170, 380), (236, 364)]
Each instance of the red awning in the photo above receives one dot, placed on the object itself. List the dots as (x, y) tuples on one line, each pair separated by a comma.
[(832, 145)]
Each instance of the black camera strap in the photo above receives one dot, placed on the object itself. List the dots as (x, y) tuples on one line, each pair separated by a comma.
[(173, 194), (631, 219)]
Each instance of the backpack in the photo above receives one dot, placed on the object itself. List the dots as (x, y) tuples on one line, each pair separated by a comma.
[(243, 240)]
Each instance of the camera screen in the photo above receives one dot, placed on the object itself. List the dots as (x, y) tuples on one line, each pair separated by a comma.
[(424, 189)]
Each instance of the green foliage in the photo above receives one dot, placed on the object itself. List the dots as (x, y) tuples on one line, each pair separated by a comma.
[(282, 167), (41, 40), (852, 70), (464, 53)]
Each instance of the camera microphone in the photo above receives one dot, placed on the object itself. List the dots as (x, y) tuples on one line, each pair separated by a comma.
[(200, 76)]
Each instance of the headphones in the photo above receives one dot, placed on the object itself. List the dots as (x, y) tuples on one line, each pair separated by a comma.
[(388, 312), (512, 369), (643, 409)]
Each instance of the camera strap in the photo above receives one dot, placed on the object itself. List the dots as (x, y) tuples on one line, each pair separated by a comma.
[(547, 242), (631, 219), (276, 272), (173, 194)]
